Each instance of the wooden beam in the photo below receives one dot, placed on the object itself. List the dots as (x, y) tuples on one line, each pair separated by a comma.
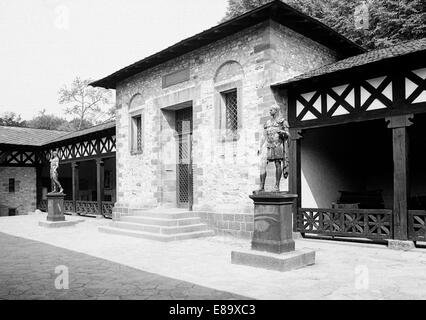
[(399, 125), (295, 173), (75, 184), (99, 183), (4, 155), (39, 185)]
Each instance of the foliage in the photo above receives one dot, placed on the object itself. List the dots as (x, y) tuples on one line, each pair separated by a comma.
[(76, 124), (237, 7), (111, 115), (84, 102), (390, 21), (11, 119), (49, 122)]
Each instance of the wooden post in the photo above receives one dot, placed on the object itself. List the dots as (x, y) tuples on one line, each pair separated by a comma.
[(399, 125), (295, 173), (100, 183), (39, 185), (75, 184)]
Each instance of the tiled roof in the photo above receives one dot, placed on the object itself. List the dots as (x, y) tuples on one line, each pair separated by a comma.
[(40, 137), (361, 60), (27, 136), (75, 134)]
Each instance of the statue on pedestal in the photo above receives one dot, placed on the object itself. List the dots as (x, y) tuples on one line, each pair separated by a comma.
[(54, 165), (272, 245), (275, 136)]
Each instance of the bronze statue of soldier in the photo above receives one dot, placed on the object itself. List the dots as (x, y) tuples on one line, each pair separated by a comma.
[(274, 139), (54, 165)]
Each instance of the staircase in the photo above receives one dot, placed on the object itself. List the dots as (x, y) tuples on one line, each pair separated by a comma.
[(162, 225)]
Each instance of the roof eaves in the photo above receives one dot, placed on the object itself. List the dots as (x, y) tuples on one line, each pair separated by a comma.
[(78, 134), (307, 77), (255, 16)]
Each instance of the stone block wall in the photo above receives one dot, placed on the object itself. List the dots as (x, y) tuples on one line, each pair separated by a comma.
[(239, 225), (225, 170), (25, 197)]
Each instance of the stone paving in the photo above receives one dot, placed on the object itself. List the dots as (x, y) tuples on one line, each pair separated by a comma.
[(342, 270), (28, 271)]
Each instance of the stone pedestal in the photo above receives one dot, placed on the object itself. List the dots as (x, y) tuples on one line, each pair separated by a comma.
[(273, 222), (272, 245), (55, 207), (55, 212)]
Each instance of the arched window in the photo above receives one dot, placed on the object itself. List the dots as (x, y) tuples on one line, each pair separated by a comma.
[(228, 86), (228, 71), (136, 102)]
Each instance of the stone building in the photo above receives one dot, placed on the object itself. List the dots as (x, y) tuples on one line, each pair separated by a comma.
[(201, 104)]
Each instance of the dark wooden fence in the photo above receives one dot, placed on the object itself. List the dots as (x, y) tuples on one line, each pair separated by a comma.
[(84, 208), (361, 223)]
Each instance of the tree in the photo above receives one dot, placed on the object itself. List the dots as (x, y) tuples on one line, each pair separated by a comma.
[(111, 114), (394, 21), (76, 124), (11, 119), (84, 102), (237, 7), (390, 21), (49, 122)]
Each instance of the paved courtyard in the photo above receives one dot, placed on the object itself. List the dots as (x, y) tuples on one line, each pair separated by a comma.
[(111, 266), (28, 270)]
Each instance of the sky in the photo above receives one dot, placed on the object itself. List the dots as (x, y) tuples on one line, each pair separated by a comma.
[(45, 44)]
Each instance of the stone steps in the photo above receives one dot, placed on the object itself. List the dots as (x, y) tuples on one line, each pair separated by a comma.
[(159, 229), (162, 225), (161, 221), (169, 214), (155, 236)]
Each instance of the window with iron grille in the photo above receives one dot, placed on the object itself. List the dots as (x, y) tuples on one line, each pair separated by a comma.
[(137, 133), (231, 110), (11, 185)]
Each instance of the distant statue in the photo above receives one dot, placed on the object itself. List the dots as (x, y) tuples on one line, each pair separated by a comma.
[(54, 165), (274, 139)]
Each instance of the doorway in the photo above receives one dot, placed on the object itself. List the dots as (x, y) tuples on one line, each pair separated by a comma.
[(184, 178)]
